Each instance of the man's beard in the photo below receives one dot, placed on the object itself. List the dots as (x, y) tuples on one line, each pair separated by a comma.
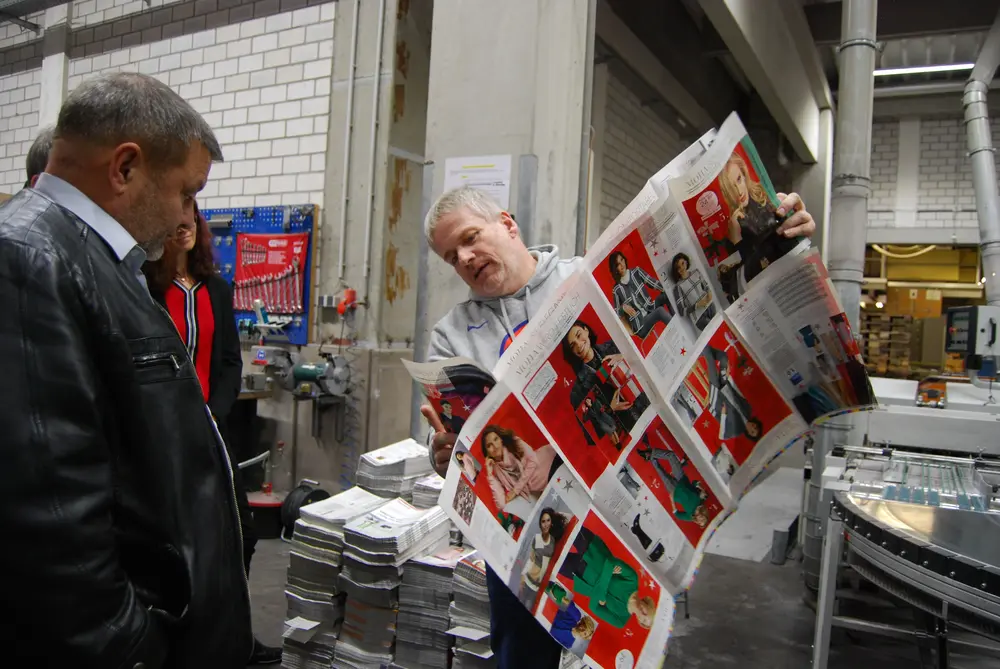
[(148, 223), (154, 250)]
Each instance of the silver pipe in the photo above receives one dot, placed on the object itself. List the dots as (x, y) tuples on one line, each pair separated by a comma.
[(376, 92), (421, 330), (583, 200), (827, 121), (984, 173), (348, 125), (852, 154)]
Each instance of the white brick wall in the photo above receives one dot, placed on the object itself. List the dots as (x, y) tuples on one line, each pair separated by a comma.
[(12, 34), (885, 163), (93, 12), (263, 85), (19, 98), (637, 143), (944, 195)]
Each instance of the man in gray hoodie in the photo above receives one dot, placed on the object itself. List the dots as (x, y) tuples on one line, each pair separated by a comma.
[(508, 283)]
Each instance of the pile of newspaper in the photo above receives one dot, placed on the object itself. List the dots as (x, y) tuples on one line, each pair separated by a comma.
[(470, 615), (393, 471), (422, 639), (376, 545), (427, 490), (315, 599)]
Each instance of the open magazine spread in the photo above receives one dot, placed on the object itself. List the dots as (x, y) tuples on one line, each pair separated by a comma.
[(640, 402)]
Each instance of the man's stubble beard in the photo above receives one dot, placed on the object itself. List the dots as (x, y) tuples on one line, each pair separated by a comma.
[(149, 224)]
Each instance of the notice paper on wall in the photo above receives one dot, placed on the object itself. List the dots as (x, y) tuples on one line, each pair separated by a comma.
[(488, 173)]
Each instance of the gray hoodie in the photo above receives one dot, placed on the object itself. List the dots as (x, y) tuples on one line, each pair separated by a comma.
[(481, 328)]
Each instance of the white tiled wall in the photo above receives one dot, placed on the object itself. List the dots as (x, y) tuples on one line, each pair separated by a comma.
[(12, 34), (637, 143), (263, 85), (944, 195), (19, 97), (93, 12)]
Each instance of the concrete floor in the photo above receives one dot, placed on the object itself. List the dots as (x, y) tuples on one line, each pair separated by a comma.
[(742, 614)]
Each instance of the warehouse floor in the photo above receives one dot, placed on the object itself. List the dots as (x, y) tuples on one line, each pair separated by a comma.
[(743, 614)]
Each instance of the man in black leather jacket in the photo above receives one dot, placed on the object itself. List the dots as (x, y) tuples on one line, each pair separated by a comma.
[(121, 534)]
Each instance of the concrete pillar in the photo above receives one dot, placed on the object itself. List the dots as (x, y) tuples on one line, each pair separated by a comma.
[(812, 182), (509, 78), (55, 62), (369, 240)]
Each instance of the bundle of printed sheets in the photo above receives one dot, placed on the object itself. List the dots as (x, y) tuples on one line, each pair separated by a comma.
[(637, 406)]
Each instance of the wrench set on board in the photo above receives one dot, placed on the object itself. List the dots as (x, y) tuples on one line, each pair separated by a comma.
[(265, 253), (269, 269)]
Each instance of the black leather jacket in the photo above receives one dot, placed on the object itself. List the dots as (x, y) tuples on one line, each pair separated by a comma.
[(121, 543)]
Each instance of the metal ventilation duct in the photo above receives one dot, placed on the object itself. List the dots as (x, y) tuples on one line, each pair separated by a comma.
[(984, 173)]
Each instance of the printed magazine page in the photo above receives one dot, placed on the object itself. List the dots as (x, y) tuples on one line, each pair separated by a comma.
[(792, 318), (730, 408), (639, 403), (453, 387), (731, 207)]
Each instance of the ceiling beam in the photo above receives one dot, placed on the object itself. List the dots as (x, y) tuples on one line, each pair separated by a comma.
[(912, 18), (634, 53), (762, 43), (896, 20)]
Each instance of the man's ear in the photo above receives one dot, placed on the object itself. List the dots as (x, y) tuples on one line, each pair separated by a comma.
[(125, 160), (508, 222)]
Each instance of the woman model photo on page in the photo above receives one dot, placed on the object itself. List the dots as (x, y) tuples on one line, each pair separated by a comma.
[(551, 528), (200, 303), (517, 473), (753, 223), (691, 292), (637, 310), (595, 396)]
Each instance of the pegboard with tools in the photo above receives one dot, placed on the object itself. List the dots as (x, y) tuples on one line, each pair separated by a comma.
[(266, 254)]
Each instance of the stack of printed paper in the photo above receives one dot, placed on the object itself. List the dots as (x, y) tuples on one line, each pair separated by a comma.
[(394, 533), (422, 640), (306, 647), (427, 490), (315, 600), (392, 471), (470, 615)]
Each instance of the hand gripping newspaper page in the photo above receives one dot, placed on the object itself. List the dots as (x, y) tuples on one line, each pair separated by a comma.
[(642, 400)]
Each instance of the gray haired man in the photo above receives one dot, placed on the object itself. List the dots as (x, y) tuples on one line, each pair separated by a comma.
[(121, 531), (38, 155)]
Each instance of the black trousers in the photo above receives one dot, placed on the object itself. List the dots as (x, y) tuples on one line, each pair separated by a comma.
[(247, 526)]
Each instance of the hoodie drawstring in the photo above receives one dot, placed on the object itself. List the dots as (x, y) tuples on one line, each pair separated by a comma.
[(505, 319)]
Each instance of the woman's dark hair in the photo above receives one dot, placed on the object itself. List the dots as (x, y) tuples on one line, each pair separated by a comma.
[(674, 274), (559, 522), (760, 429), (201, 261), (613, 265), (507, 438), (567, 350)]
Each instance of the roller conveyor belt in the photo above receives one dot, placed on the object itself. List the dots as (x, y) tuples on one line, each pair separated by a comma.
[(951, 551)]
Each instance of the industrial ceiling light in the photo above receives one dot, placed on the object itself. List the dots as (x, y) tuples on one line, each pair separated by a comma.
[(924, 69)]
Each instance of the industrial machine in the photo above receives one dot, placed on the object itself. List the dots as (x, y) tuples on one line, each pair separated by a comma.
[(906, 497), (306, 380)]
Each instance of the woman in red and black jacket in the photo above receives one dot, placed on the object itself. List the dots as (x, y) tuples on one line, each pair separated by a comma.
[(200, 302)]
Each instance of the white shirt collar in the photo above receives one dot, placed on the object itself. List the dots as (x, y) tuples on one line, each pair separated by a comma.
[(111, 231)]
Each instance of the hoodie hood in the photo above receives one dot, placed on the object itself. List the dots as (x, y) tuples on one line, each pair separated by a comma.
[(481, 328), (547, 256)]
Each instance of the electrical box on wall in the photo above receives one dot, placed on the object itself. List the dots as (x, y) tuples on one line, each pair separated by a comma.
[(266, 255)]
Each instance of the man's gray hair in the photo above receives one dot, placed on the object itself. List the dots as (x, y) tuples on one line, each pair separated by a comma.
[(476, 201), (38, 154), (111, 109)]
